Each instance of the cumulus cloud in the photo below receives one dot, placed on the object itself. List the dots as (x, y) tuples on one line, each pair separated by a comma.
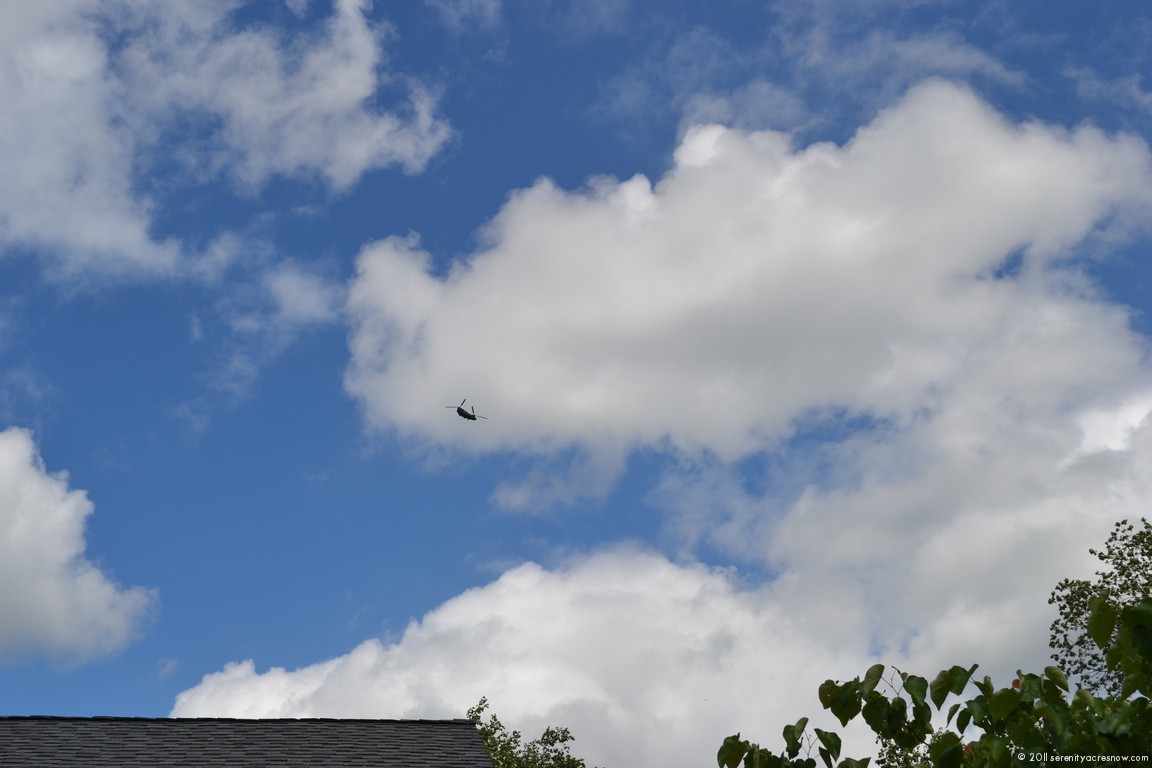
[(878, 368), (67, 188), (646, 661), (878, 372), (653, 662), (55, 602), (88, 125), (757, 286)]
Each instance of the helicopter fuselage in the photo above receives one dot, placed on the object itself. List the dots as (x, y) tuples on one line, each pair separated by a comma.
[(464, 414)]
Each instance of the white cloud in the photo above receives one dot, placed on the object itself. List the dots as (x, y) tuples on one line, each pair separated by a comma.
[(1127, 92), (84, 126), (756, 104), (650, 662), (67, 190), (646, 661), (819, 69), (302, 297), (696, 73), (468, 14), (300, 109), (298, 7), (576, 21), (894, 333), (756, 287), (263, 313), (1112, 429), (55, 602), (884, 62)]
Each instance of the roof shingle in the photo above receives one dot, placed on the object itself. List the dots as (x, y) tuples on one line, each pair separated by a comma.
[(127, 742)]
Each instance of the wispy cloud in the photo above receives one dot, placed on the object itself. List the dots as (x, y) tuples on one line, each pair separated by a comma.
[(262, 312), (301, 109), (461, 15)]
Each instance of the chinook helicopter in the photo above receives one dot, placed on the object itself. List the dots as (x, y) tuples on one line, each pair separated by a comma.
[(471, 416)]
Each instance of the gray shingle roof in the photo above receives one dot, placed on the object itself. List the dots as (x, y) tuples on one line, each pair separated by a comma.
[(127, 742)]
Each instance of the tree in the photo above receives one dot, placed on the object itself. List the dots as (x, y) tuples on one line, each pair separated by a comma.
[(1103, 636), (1127, 580), (507, 750), (1034, 719)]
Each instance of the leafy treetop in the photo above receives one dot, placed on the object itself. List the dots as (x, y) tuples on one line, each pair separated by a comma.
[(508, 750), (1127, 580), (1035, 719)]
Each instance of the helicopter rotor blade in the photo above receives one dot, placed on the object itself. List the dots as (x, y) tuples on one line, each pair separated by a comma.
[(463, 401)]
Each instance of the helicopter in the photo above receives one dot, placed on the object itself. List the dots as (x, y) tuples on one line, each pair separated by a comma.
[(465, 414)]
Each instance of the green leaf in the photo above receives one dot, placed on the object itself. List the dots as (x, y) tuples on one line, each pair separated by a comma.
[(1056, 719), (845, 705), (1120, 651), (827, 691), (946, 751), (978, 708), (960, 677), (1031, 686), (1083, 699), (1139, 613), (1138, 619), (953, 680), (732, 751), (871, 678), (952, 711), (997, 747), (831, 742), (939, 689), (963, 719), (921, 718), (897, 716), (1002, 703), (1102, 620), (759, 757), (917, 688), (792, 734), (1115, 720), (876, 713), (1056, 675), (1136, 682)]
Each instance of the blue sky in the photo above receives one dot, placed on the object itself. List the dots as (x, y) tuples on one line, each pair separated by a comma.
[(808, 334)]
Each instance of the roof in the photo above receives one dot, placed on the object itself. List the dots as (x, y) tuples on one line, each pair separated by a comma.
[(130, 742)]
